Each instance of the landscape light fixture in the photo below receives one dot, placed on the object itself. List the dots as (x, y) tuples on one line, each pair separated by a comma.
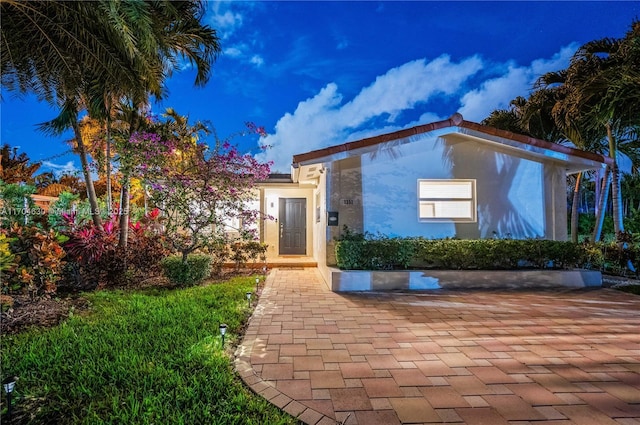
[(249, 299), (9, 384), (223, 331), (257, 284)]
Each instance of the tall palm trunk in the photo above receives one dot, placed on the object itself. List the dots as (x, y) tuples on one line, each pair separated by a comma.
[(124, 193), (124, 213), (91, 192), (108, 155), (602, 205), (574, 209), (618, 224), (598, 186)]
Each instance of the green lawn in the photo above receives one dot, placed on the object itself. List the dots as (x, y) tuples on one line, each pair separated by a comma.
[(144, 357)]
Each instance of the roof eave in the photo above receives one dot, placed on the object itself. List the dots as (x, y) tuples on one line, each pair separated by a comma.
[(456, 123)]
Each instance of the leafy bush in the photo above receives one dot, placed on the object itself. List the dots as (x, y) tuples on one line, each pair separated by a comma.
[(219, 253), (38, 259), (101, 262), (96, 252), (243, 251), (16, 204), (358, 251), (381, 253), (7, 259), (615, 258), (146, 248), (194, 270), (63, 206)]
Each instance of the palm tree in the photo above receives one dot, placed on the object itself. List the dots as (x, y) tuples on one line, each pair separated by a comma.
[(16, 168), (57, 50), (83, 55), (179, 34), (606, 82)]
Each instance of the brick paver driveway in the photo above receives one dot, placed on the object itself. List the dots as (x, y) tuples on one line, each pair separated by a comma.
[(473, 357)]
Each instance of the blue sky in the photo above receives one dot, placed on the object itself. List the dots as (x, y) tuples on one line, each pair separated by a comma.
[(315, 74)]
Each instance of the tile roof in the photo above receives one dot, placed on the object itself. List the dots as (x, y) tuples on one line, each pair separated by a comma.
[(456, 120)]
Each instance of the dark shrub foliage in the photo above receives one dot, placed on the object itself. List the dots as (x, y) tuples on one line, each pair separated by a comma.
[(196, 269), (365, 252)]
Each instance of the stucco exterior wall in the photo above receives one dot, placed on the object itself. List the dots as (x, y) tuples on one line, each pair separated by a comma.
[(269, 199), (517, 196), (321, 232), (344, 196)]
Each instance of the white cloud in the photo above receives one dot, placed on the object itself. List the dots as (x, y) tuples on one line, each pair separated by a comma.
[(242, 52), (323, 120), (496, 93), (233, 52), (257, 60), (225, 20), (58, 169), (403, 87)]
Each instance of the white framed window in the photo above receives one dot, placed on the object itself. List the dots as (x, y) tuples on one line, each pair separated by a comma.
[(453, 200)]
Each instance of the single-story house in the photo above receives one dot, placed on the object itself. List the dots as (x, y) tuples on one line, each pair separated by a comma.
[(451, 178)]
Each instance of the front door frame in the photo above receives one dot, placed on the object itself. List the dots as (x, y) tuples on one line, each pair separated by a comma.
[(294, 228)]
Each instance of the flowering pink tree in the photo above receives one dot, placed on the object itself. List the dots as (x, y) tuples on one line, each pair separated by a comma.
[(198, 188)]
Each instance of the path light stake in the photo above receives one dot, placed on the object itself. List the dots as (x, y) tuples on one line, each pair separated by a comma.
[(9, 384), (223, 330), (249, 299), (257, 284)]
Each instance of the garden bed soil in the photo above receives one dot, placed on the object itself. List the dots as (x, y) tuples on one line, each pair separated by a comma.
[(43, 312), (25, 313)]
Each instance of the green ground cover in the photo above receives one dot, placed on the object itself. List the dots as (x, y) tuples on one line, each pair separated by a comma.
[(139, 357)]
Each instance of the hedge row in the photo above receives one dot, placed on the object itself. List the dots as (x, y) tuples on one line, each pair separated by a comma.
[(483, 254)]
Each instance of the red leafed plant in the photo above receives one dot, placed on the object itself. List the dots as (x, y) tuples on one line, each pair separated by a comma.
[(89, 244), (103, 263), (40, 261)]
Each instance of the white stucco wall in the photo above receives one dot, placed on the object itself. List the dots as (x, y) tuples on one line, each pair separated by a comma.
[(270, 196), (514, 194)]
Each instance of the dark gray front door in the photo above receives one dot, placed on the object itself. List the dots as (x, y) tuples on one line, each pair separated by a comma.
[(293, 226)]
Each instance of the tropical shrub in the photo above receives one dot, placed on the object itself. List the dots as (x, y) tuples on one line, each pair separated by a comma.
[(243, 251), (95, 250), (219, 253), (199, 188), (7, 259), (16, 205), (101, 262), (193, 271), (64, 205), (368, 252), (145, 249), (380, 254), (256, 251), (39, 259)]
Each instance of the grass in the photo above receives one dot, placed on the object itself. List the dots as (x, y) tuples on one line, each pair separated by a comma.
[(145, 357)]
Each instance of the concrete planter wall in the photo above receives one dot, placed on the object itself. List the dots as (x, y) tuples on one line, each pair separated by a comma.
[(362, 280)]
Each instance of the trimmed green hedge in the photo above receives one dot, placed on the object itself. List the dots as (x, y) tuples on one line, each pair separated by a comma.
[(196, 269), (484, 254)]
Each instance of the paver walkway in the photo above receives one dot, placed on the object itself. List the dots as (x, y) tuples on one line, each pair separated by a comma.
[(472, 357)]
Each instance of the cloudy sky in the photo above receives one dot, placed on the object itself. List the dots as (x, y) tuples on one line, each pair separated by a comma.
[(315, 74)]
